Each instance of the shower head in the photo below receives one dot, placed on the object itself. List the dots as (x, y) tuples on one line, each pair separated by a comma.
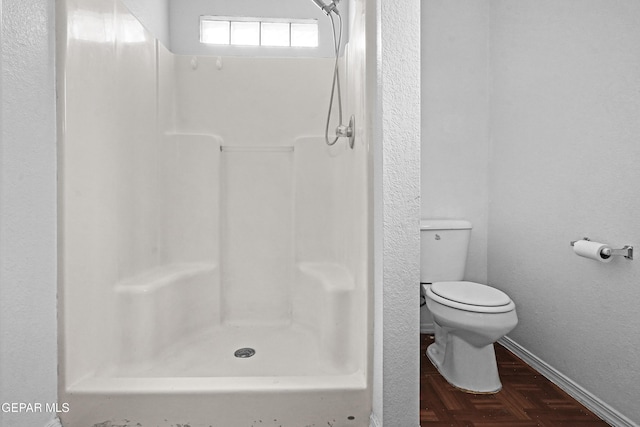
[(327, 8)]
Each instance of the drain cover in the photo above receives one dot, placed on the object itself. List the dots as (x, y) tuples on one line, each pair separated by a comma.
[(243, 353)]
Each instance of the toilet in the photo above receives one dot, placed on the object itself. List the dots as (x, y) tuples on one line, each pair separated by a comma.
[(468, 317)]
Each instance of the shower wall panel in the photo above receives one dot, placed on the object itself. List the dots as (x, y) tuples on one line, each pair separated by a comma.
[(108, 159), (259, 108), (252, 101), (257, 235), (189, 177), (320, 186), (139, 206)]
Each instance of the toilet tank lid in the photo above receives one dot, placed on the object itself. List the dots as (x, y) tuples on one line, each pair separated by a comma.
[(444, 224)]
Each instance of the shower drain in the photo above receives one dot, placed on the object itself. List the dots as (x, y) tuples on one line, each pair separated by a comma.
[(243, 353)]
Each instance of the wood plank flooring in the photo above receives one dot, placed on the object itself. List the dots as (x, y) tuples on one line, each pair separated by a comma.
[(527, 399)]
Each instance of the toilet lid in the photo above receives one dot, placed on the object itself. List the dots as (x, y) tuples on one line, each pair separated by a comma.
[(472, 296)]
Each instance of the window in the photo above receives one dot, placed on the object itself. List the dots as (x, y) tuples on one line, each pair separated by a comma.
[(304, 35), (275, 33), (215, 32), (245, 33), (236, 31)]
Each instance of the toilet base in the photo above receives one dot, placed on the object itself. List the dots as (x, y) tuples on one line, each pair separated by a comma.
[(465, 366)]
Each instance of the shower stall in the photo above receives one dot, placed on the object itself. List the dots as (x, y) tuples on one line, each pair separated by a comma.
[(215, 260)]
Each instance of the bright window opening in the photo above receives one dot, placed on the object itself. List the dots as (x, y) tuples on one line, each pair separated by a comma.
[(304, 35), (276, 34), (238, 31), (215, 32), (245, 33)]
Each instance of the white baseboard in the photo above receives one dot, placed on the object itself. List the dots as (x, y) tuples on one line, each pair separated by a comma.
[(593, 403)]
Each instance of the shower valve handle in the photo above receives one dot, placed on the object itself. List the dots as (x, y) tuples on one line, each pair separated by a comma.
[(344, 131), (348, 131)]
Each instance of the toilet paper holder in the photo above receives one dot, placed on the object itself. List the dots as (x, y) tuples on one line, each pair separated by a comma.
[(626, 251)]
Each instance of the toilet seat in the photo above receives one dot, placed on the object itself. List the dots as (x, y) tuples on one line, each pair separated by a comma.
[(470, 296)]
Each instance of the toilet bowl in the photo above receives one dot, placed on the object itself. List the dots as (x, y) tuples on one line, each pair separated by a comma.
[(468, 318)]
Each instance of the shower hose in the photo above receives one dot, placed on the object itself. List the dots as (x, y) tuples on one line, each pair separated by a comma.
[(337, 41)]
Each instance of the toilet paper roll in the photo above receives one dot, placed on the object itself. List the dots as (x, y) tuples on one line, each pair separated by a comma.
[(591, 250)]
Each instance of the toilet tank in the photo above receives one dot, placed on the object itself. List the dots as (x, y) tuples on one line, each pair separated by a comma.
[(443, 249)]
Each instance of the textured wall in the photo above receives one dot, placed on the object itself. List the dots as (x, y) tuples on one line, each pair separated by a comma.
[(566, 102), (27, 210), (399, 71)]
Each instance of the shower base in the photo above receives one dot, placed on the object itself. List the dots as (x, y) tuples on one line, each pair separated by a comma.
[(200, 383), (307, 370), (280, 350)]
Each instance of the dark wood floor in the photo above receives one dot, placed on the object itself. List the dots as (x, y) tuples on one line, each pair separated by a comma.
[(527, 399)]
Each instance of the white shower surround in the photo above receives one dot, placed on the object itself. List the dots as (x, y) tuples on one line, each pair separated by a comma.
[(224, 154)]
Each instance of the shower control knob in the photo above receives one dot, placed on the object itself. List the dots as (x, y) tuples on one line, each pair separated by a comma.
[(344, 131), (347, 131)]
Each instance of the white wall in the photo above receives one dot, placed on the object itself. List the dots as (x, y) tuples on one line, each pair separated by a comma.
[(27, 209), (565, 156), (455, 119), (184, 17), (397, 175), (455, 122)]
